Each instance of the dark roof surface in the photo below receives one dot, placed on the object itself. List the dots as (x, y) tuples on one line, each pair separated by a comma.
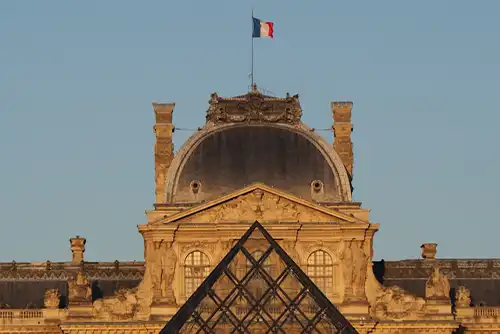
[(480, 276), (234, 158), (23, 285)]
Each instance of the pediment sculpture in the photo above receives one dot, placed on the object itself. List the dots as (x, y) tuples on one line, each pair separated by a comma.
[(259, 205)]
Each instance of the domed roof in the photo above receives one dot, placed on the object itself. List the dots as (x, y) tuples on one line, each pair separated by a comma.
[(256, 138)]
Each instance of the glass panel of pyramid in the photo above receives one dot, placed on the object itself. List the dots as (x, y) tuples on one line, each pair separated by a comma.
[(258, 288)]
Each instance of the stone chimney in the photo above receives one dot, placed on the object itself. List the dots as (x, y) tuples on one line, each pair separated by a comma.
[(342, 129), (429, 251), (77, 248), (164, 147)]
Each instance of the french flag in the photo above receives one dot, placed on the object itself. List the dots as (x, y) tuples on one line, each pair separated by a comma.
[(262, 28)]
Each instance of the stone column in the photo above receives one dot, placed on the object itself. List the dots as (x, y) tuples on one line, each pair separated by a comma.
[(164, 147), (77, 248), (342, 129)]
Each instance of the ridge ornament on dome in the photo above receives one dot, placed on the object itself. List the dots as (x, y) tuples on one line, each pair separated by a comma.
[(254, 107)]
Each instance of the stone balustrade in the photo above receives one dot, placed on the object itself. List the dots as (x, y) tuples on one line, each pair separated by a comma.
[(31, 316), (486, 312)]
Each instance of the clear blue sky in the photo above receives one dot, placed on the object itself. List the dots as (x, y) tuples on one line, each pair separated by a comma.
[(77, 80)]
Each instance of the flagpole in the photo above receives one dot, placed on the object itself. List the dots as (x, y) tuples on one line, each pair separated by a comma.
[(252, 54)]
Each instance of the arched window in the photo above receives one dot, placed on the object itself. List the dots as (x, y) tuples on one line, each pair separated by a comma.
[(196, 269), (320, 270)]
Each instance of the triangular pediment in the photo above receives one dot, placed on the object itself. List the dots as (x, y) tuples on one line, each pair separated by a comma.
[(271, 295), (259, 202)]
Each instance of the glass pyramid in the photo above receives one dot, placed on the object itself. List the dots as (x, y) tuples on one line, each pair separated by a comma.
[(258, 288)]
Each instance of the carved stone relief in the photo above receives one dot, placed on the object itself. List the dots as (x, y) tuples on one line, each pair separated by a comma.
[(395, 303), (121, 306), (262, 206)]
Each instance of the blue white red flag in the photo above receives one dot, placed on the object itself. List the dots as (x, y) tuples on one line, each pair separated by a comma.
[(262, 28)]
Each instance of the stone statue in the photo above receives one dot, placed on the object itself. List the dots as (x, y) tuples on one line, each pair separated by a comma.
[(462, 297), (156, 268), (395, 303), (51, 298), (437, 286), (163, 272), (168, 263), (121, 306), (80, 290), (355, 262)]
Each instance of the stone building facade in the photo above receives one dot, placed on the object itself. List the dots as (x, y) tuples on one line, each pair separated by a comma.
[(253, 160)]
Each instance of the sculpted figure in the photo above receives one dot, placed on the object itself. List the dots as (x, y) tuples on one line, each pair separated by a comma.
[(395, 303), (462, 297), (437, 286), (168, 263), (156, 268), (80, 290), (355, 262), (51, 298)]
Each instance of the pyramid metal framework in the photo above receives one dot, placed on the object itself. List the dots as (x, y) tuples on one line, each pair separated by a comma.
[(258, 288)]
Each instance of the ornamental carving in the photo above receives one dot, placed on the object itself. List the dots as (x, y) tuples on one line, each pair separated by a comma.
[(462, 297), (80, 291), (437, 286), (121, 306), (51, 298), (254, 107), (355, 262), (198, 245), (395, 303), (262, 206)]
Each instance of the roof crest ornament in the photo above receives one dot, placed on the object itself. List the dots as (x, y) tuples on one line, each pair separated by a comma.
[(254, 107)]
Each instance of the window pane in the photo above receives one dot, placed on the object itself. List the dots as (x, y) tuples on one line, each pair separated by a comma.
[(197, 268), (320, 270)]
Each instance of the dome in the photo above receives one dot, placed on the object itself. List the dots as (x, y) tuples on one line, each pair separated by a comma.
[(276, 149)]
